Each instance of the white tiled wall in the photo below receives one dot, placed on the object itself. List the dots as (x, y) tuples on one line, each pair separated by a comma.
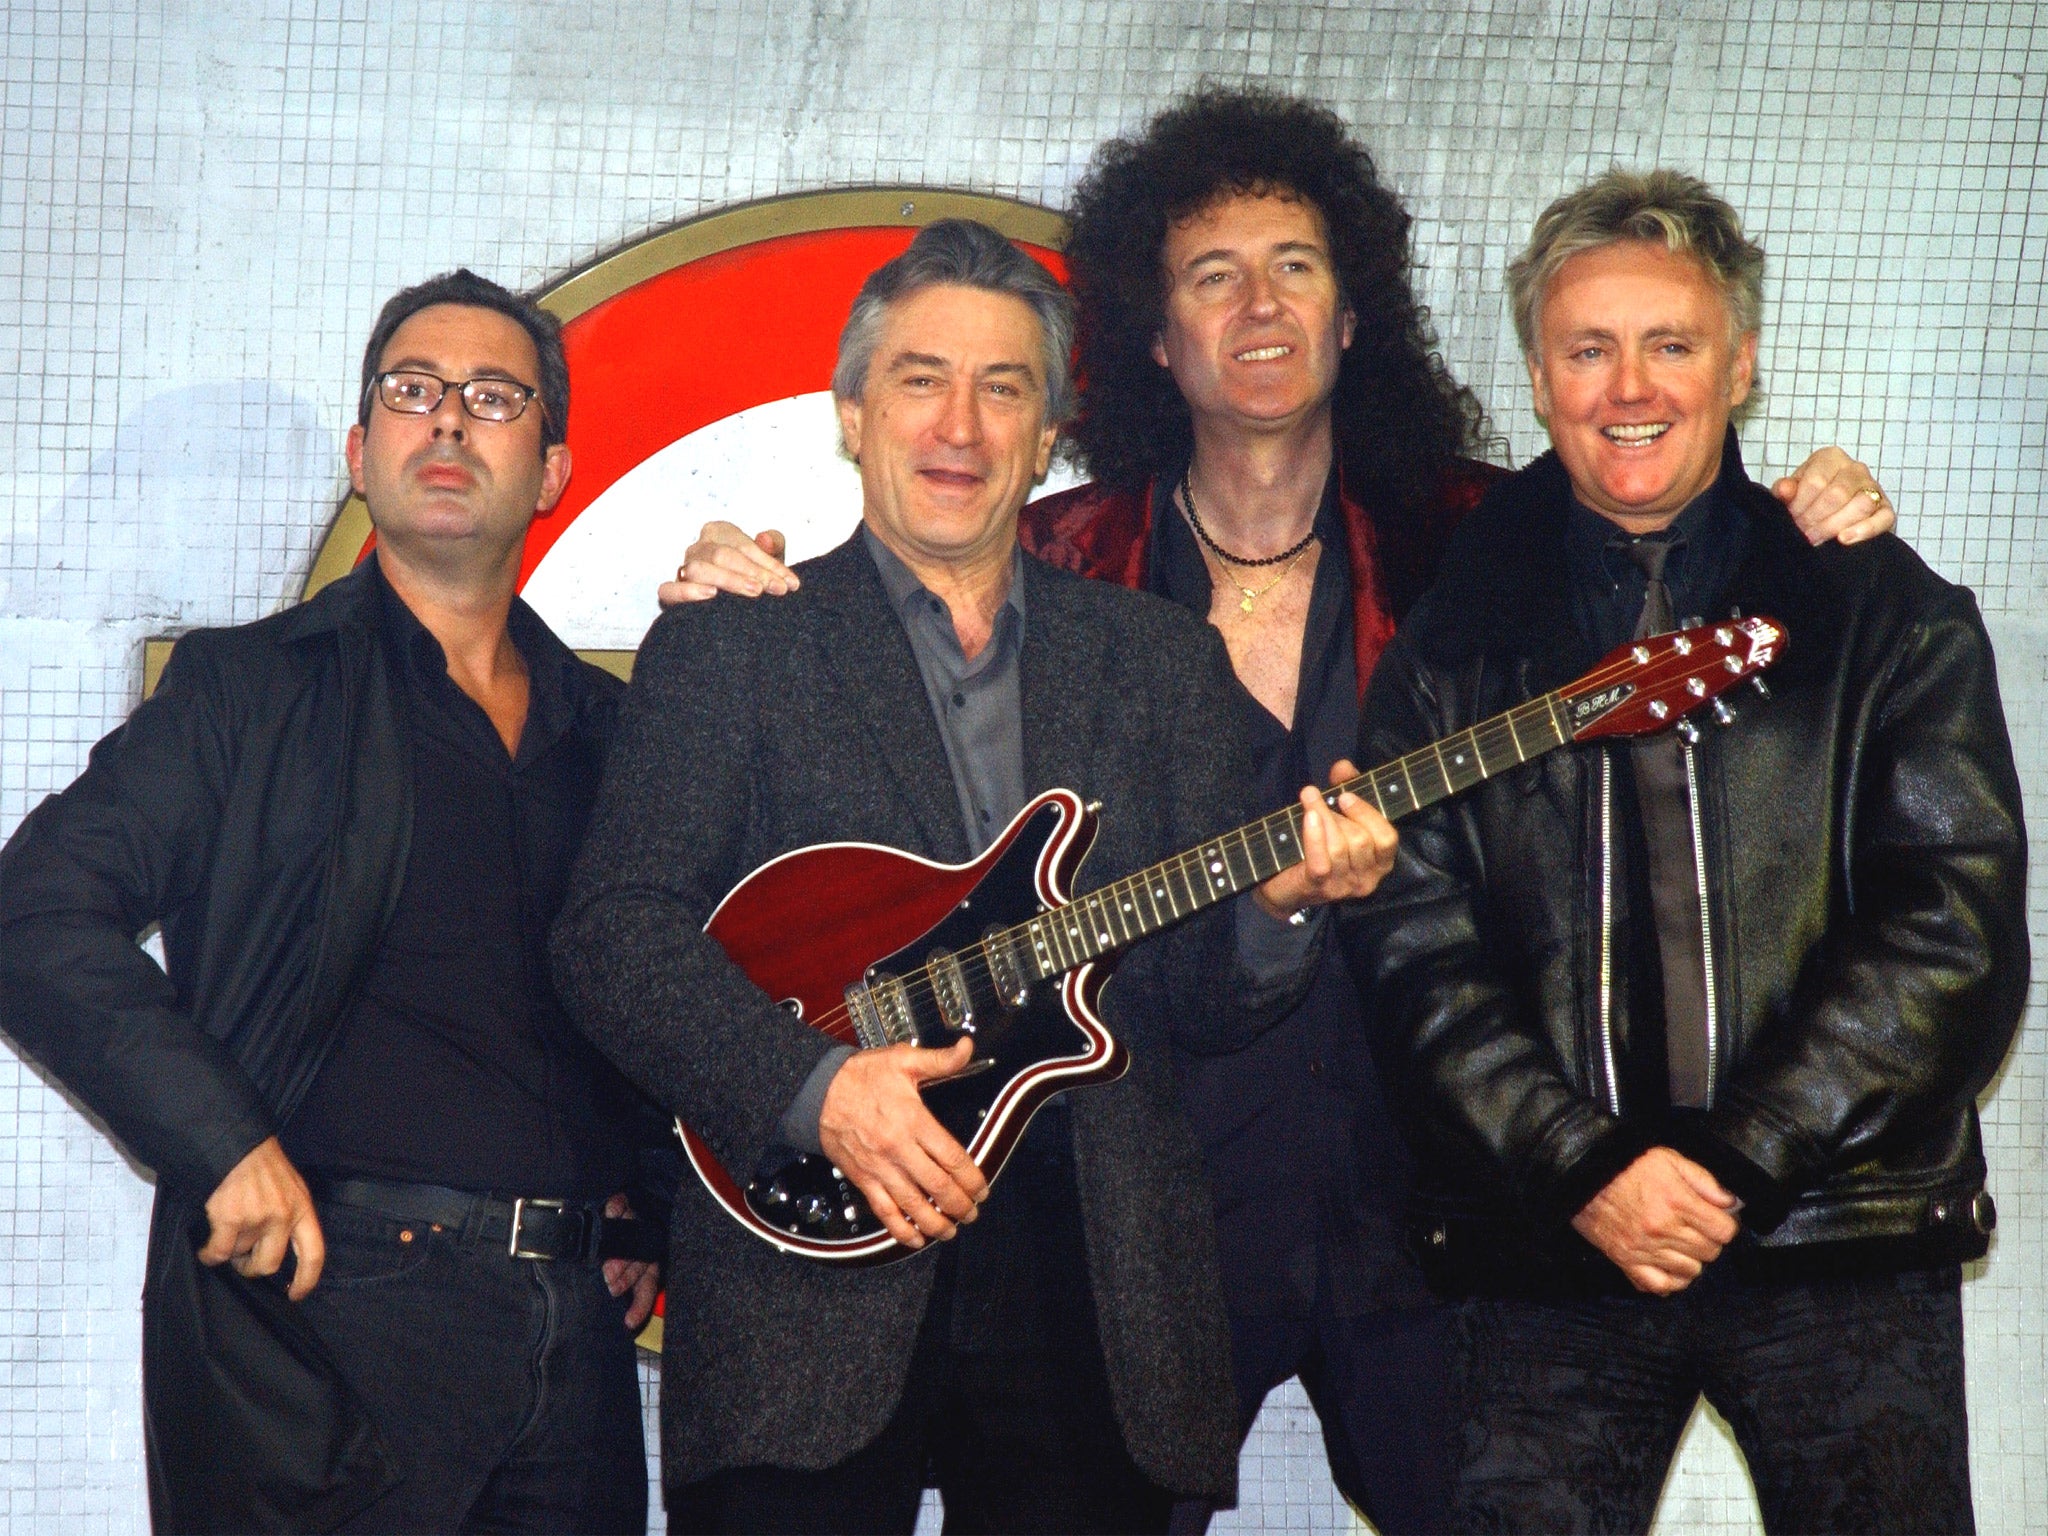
[(201, 207)]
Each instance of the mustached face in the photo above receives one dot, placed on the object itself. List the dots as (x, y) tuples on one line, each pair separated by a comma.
[(1255, 325)]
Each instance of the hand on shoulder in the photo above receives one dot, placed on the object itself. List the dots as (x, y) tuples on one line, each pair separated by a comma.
[(1832, 496), (725, 559)]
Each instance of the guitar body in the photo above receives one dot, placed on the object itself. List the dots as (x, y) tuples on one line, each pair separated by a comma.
[(816, 922)]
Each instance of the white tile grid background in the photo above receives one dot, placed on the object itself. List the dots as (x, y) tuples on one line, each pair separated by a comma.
[(201, 208)]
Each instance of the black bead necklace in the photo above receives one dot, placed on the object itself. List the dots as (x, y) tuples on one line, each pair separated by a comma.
[(1187, 496)]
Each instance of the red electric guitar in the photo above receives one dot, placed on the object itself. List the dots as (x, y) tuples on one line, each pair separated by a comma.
[(896, 948)]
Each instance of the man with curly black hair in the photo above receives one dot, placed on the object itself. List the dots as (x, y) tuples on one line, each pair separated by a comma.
[(1277, 445)]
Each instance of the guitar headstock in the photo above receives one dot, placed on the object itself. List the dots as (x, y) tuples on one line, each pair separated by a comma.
[(1650, 685)]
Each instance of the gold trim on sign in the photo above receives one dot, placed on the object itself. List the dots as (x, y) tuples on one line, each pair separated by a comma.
[(156, 654), (342, 547), (800, 213), (727, 229)]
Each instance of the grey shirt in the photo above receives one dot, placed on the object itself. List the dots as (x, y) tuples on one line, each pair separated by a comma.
[(980, 716), (975, 701)]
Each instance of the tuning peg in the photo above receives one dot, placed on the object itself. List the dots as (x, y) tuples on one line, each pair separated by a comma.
[(1692, 621), (1688, 733), (1735, 612), (1763, 689), (1723, 715)]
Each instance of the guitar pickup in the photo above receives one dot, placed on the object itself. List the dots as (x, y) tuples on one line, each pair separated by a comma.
[(949, 990), (1010, 987), (880, 1009)]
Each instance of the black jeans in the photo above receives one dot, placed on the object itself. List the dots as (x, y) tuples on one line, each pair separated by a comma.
[(1846, 1397), (507, 1386)]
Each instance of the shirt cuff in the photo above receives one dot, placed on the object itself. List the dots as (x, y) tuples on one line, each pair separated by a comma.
[(1273, 949), (799, 1126)]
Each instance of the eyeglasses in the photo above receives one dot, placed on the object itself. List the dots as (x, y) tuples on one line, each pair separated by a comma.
[(420, 394)]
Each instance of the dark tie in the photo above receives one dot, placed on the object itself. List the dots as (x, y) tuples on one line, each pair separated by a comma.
[(1666, 804)]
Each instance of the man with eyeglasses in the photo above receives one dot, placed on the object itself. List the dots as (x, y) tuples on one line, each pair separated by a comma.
[(401, 1172)]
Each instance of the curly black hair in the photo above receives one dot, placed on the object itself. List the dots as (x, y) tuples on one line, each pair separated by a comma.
[(1399, 415)]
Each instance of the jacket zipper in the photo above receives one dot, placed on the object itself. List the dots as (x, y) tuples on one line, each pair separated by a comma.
[(1699, 869), (1607, 931)]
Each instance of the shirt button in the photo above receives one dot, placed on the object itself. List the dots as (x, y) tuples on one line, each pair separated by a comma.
[(959, 701), (984, 815)]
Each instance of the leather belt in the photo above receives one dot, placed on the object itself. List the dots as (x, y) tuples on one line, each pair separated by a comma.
[(526, 1226)]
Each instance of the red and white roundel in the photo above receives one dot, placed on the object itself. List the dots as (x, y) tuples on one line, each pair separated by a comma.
[(700, 362)]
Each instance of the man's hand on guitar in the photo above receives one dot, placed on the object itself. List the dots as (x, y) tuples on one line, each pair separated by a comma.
[(1344, 856), (724, 559), (874, 1126)]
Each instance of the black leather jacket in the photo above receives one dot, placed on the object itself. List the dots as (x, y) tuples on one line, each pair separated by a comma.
[(1865, 873)]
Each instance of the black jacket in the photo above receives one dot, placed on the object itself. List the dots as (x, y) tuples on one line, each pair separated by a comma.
[(1865, 866), (258, 807), (756, 728)]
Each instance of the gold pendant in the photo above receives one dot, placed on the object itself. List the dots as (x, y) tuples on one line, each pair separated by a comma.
[(1246, 605)]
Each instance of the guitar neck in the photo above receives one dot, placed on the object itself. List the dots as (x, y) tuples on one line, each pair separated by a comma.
[(1140, 905)]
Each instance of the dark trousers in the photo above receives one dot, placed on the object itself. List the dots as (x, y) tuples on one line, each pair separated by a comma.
[(1024, 1440), (1380, 1384), (1846, 1397), (506, 1386)]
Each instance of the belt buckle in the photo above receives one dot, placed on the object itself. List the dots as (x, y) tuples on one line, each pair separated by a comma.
[(519, 1209)]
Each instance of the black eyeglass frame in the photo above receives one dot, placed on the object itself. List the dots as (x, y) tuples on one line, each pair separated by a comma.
[(527, 393)]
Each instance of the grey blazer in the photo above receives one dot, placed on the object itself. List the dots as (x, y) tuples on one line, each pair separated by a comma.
[(755, 728)]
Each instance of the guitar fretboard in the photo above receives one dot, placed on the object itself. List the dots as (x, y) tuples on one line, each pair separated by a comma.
[(1139, 905)]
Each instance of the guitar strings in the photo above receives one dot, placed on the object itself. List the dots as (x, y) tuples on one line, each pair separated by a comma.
[(921, 986)]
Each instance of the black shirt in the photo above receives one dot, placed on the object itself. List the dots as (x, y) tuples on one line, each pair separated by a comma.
[(977, 703), (1708, 539), (1341, 1231), (455, 1064)]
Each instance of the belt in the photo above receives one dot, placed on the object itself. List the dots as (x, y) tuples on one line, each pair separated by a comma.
[(529, 1227)]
